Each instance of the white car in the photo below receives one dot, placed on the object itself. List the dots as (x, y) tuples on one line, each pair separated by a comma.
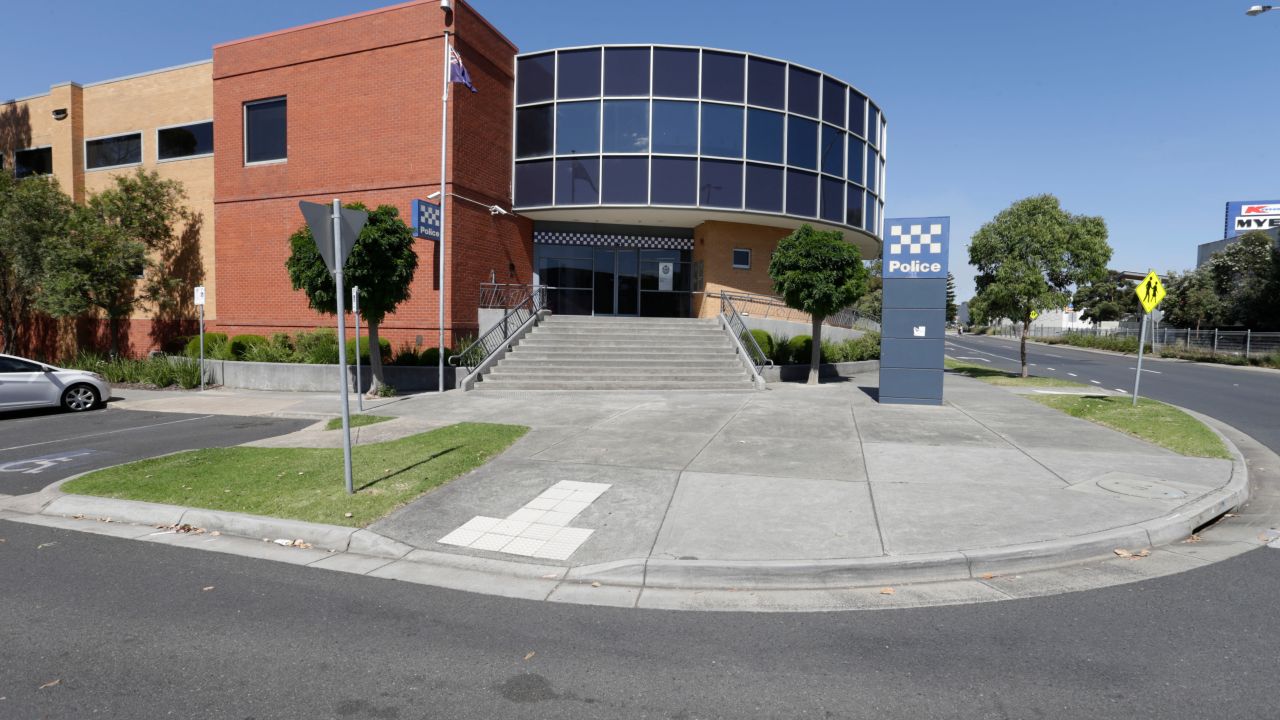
[(29, 384)]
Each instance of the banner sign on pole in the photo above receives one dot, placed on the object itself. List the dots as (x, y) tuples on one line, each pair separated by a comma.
[(426, 220)]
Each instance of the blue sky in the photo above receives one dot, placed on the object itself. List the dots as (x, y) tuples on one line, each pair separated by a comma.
[(1150, 114)]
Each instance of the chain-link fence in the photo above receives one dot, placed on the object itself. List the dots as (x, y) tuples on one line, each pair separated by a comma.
[(1240, 343)]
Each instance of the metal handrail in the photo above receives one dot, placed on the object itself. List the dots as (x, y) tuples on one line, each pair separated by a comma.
[(743, 333), (504, 295), (846, 318), (499, 336)]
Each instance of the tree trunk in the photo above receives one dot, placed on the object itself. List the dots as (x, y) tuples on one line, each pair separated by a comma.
[(376, 380), (1026, 328), (113, 327), (815, 355), (9, 330)]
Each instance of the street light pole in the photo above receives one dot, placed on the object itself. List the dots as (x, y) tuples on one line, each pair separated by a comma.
[(447, 7)]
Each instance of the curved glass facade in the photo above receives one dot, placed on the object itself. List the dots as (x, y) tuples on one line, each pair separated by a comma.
[(660, 126)]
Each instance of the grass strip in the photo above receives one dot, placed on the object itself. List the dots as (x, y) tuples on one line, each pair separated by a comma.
[(1151, 420), (357, 421), (1001, 377), (306, 483)]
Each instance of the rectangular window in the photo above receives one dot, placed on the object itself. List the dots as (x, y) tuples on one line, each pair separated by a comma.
[(113, 151), (184, 141), (266, 136), (742, 258), (577, 128), (37, 161)]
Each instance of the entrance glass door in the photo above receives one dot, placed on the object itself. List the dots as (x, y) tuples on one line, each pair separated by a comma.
[(617, 281)]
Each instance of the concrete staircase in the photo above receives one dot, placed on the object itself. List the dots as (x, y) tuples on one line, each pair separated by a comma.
[(574, 352)]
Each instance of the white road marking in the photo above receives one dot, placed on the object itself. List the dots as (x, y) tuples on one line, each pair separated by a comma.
[(963, 357), (539, 529), (1073, 374), (1121, 390), (1157, 372), (1051, 370), (1095, 382)]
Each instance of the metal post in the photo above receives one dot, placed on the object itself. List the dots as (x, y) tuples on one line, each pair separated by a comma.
[(355, 311), (1215, 342), (1142, 339), (342, 346), (1248, 343), (201, 348), (444, 197)]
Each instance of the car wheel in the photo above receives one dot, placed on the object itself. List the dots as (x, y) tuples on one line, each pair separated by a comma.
[(79, 398)]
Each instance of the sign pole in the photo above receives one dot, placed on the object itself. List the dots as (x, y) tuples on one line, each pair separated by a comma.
[(1142, 340), (342, 346), (355, 311), (201, 347), (444, 138)]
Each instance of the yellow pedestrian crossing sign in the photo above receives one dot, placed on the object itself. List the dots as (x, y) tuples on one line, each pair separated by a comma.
[(1034, 314), (1150, 291)]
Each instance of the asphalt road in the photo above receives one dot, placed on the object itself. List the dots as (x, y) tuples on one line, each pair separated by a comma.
[(120, 629), (1248, 399), (38, 448)]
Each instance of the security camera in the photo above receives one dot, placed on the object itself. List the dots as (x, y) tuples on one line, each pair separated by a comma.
[(446, 5)]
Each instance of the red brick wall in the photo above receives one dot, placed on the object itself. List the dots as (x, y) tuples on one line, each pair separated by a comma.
[(364, 125)]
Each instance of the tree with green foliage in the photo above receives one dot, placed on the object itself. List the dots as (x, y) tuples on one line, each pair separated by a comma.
[(1241, 275), (32, 212), (1110, 298), (1031, 254), (871, 305), (818, 273), (952, 309), (1192, 300), (381, 264), (978, 311)]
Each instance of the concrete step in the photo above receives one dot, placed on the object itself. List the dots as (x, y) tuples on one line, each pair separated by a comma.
[(576, 331), (488, 385), (604, 320), (546, 373), (644, 358), (670, 346), (658, 362)]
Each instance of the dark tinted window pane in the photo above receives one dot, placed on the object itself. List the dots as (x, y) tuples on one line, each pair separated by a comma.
[(626, 180), (766, 83), (626, 71), (802, 93), (873, 126), (832, 150), (675, 72), (857, 158), (675, 127), (833, 98), (721, 76), (185, 141), (533, 131), (537, 78), (802, 193), (853, 206), (721, 184), (832, 200), (577, 128), (626, 125), (579, 74), (871, 170), (869, 217), (674, 181), (802, 143), (764, 188), (578, 181), (857, 113), (33, 162), (533, 183), (721, 130), (109, 152), (764, 135), (266, 131)]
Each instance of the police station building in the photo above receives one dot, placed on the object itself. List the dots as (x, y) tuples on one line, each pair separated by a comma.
[(634, 180)]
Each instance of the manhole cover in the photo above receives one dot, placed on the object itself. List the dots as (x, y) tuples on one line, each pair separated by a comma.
[(1139, 486)]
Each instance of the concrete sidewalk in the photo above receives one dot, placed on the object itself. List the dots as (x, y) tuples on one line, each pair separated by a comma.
[(709, 500)]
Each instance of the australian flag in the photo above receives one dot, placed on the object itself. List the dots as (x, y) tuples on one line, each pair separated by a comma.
[(458, 72)]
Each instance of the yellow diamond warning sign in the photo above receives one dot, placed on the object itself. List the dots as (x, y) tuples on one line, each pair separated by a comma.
[(1034, 314), (1150, 291)]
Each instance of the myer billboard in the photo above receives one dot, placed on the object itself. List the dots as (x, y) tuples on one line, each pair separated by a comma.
[(1243, 216)]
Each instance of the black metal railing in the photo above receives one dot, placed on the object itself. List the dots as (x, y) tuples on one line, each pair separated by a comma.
[(770, 307), (503, 295), (743, 333), (503, 332)]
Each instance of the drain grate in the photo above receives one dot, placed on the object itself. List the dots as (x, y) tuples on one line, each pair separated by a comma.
[(1141, 486)]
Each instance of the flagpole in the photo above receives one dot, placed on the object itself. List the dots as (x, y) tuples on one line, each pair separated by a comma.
[(444, 197)]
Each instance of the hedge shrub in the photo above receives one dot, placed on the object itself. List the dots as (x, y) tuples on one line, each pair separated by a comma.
[(240, 344), (383, 344), (213, 343), (765, 341), (800, 349)]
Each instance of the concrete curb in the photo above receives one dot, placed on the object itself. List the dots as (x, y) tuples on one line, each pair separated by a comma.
[(1134, 356)]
